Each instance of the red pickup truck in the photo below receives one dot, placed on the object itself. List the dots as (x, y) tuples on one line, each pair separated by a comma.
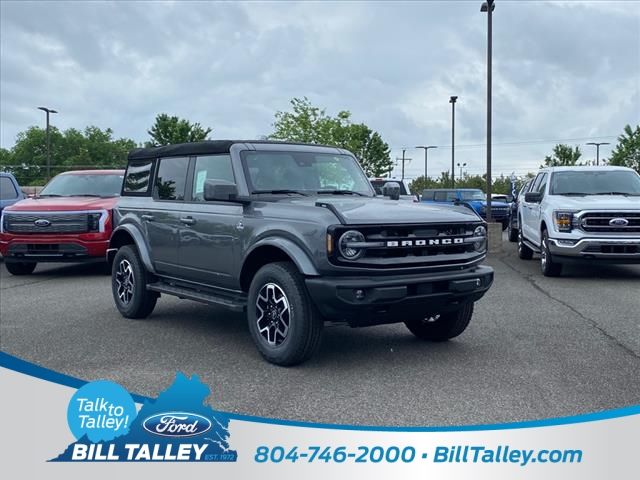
[(69, 221)]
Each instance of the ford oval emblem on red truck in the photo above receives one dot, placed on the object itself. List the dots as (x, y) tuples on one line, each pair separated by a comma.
[(42, 222)]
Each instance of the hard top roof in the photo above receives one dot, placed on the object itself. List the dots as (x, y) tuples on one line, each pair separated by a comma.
[(205, 147)]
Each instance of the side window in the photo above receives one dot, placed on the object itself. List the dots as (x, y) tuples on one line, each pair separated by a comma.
[(451, 196), (172, 178), (7, 189), (211, 167), (138, 176), (427, 195), (536, 182), (542, 185), (440, 196)]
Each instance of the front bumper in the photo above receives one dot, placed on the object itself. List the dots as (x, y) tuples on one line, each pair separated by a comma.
[(364, 301), (613, 250), (54, 249)]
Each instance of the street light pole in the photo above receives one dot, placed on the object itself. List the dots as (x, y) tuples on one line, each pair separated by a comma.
[(48, 111), (488, 7), (597, 144), (461, 167), (452, 101), (403, 150), (426, 151)]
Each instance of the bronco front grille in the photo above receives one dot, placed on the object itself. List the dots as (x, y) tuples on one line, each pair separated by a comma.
[(46, 222), (402, 246), (610, 222)]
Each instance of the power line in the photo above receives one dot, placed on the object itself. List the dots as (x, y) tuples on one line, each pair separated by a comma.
[(524, 142)]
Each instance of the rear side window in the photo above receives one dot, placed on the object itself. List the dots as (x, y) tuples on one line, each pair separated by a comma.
[(7, 189), (138, 176), (210, 167), (427, 195), (172, 178), (446, 196), (543, 184)]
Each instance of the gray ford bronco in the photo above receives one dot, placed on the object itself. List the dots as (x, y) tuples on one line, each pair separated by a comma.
[(294, 235)]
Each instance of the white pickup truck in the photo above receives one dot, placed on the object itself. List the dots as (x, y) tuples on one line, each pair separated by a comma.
[(580, 214)]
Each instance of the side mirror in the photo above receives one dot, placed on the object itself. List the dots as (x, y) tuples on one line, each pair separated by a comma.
[(532, 197), (391, 190), (220, 190)]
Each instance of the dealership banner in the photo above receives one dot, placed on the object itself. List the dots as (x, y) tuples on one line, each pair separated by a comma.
[(54, 425)]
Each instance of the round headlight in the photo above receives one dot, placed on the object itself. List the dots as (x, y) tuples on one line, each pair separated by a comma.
[(481, 234), (351, 236)]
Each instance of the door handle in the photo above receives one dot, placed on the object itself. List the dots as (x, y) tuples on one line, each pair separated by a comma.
[(148, 218), (188, 220)]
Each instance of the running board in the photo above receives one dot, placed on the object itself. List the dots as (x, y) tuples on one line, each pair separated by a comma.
[(228, 300), (531, 245)]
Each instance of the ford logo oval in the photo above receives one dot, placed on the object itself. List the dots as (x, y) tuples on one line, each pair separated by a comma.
[(176, 424), (41, 222), (619, 222)]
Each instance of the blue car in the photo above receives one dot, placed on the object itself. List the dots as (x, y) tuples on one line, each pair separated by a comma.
[(10, 191), (472, 198)]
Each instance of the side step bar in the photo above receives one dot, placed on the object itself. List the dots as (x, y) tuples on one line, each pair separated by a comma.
[(531, 245), (233, 302)]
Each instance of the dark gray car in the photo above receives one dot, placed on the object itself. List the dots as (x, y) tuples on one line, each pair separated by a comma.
[(293, 235)]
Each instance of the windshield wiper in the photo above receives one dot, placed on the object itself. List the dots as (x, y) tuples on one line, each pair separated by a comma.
[(626, 194), (282, 191), (85, 195), (581, 194), (340, 192), (50, 195)]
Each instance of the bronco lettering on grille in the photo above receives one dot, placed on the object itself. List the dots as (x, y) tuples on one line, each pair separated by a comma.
[(424, 243)]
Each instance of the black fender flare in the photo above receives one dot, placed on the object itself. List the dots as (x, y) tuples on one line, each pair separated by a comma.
[(139, 241), (299, 257)]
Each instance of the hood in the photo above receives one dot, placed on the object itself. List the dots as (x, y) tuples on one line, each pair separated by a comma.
[(597, 202), (371, 211), (62, 204)]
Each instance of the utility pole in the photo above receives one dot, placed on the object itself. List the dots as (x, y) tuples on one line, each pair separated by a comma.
[(488, 7), (597, 144), (426, 158), (403, 151), (48, 111), (452, 101)]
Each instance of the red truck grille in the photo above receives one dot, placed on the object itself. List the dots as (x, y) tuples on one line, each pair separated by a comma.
[(46, 223)]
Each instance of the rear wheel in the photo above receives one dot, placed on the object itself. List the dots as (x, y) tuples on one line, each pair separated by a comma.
[(512, 233), (547, 265), (129, 279), (524, 252), (284, 323), (441, 327), (20, 268)]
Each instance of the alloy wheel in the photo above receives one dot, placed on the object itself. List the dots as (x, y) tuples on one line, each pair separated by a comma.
[(273, 314), (125, 281)]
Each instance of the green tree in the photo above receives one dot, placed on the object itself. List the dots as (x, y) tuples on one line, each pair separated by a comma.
[(168, 130), (71, 149), (627, 151), (563, 156), (309, 124)]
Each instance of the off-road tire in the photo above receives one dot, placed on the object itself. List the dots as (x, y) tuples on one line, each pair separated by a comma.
[(439, 328), (305, 324), (20, 268), (141, 301)]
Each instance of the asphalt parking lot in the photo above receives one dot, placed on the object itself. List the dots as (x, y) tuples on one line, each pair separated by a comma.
[(536, 348)]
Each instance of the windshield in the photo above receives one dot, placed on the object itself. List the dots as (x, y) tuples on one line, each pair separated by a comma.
[(92, 185), (304, 172), (600, 182), (472, 195)]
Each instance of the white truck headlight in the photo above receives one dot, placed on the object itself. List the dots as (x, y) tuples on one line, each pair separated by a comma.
[(563, 220)]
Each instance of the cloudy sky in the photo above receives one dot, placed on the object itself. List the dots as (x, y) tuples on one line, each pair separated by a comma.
[(563, 71)]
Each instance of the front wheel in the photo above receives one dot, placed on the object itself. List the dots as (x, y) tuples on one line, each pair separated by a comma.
[(441, 327), (20, 268), (129, 279), (284, 323), (524, 252), (547, 265)]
